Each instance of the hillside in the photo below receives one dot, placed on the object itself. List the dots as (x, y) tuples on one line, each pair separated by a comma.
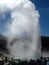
[(3, 43), (45, 43)]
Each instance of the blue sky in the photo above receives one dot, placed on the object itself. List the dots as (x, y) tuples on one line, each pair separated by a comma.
[(43, 7)]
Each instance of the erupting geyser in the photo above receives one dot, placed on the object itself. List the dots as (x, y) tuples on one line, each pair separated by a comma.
[(22, 29)]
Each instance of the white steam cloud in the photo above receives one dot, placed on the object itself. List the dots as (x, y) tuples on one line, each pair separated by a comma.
[(23, 29)]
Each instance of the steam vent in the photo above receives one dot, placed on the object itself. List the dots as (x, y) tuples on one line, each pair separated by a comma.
[(21, 37)]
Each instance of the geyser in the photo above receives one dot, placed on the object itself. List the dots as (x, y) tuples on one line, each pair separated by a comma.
[(23, 29)]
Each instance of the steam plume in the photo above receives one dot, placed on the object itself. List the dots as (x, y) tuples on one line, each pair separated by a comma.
[(23, 29)]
